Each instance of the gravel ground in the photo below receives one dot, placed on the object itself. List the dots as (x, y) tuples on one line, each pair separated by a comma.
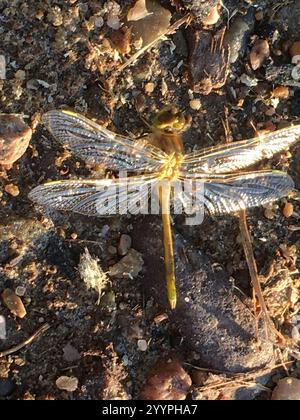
[(67, 54)]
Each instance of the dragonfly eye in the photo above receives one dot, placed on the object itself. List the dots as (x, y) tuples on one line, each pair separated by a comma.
[(170, 120)]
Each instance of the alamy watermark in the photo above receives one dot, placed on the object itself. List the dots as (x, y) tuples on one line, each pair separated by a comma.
[(126, 195)]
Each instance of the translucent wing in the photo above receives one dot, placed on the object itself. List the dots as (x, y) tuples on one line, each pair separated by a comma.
[(97, 197), (97, 145), (238, 155), (230, 193)]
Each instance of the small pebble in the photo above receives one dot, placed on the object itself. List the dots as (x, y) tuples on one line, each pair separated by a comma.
[(288, 210), (270, 111), (124, 245), (12, 190), (142, 345), (167, 380), (295, 49), (248, 81), (20, 75), (281, 92), (287, 389), (67, 383), (149, 87), (259, 53), (7, 387), (195, 104), (236, 38), (269, 213), (138, 11), (20, 291), (15, 136), (2, 67), (70, 353), (295, 334), (129, 266), (2, 328), (213, 16), (14, 303)]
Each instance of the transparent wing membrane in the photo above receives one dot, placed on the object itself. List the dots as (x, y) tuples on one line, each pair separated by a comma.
[(97, 197), (97, 145), (238, 155), (231, 193)]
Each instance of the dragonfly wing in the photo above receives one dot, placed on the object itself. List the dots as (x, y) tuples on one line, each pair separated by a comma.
[(239, 155), (231, 193), (97, 145), (96, 197)]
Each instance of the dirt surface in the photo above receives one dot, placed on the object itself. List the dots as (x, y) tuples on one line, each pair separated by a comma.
[(61, 54)]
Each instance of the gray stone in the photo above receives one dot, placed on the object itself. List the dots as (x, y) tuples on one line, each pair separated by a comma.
[(237, 36)]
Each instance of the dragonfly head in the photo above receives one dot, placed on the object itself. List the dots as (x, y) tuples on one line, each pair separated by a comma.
[(170, 120)]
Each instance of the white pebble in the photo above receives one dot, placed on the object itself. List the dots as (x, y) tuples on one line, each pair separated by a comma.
[(195, 104), (2, 328), (142, 345), (67, 383), (20, 291), (113, 22), (2, 67)]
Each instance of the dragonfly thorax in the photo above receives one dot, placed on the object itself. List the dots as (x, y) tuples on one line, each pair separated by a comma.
[(171, 168)]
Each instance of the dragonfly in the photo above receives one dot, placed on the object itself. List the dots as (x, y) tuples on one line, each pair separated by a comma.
[(222, 172)]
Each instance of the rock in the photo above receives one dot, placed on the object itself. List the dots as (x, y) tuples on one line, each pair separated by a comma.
[(195, 104), (124, 245), (211, 319), (167, 381), (142, 345), (288, 210), (213, 16), (7, 387), (211, 73), (14, 303), (138, 11), (113, 18), (236, 38), (259, 53), (129, 266), (12, 190), (70, 353), (20, 291), (67, 383), (287, 389), (2, 328), (149, 87), (152, 25), (248, 80), (295, 49), (2, 67), (281, 92), (15, 136)]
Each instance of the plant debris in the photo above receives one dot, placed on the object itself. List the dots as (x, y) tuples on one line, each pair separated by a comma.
[(211, 73), (92, 274)]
